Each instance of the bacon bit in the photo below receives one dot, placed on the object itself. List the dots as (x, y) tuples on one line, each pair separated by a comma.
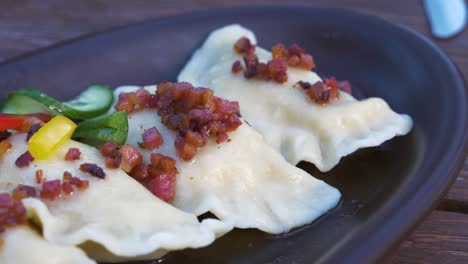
[(251, 63), (237, 67), (51, 189), (12, 212), (114, 160), (67, 188), (5, 146), (152, 139), (321, 92), (4, 135), (29, 123), (196, 114), (244, 46), (140, 172), (163, 164), (296, 57), (33, 129), (135, 101), (39, 176), (82, 184), (24, 160), (277, 70), (124, 103), (79, 183), (72, 154), (113, 157), (222, 138), (279, 51), (158, 177), (93, 170), (108, 148), (130, 158), (67, 176), (23, 191), (163, 186), (185, 150)]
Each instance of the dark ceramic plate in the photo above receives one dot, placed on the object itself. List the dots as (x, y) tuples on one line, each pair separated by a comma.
[(386, 189)]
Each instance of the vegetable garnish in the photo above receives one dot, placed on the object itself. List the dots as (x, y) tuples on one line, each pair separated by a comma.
[(10, 122), (96, 132), (94, 101), (50, 136), (17, 121)]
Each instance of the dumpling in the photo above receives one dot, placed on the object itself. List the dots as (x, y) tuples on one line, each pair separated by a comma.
[(22, 245), (289, 121), (245, 183), (114, 219)]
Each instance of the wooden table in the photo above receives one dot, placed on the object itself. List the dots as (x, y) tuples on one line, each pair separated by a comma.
[(26, 25)]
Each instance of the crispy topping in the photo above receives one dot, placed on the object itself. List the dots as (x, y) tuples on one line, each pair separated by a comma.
[(51, 190), (130, 158), (4, 147), (152, 139), (196, 114), (23, 191), (39, 177), (237, 67), (244, 46), (75, 181), (294, 55), (24, 160), (163, 186), (131, 102), (72, 154), (67, 188), (140, 172), (108, 148), (161, 164), (158, 177), (33, 129), (276, 68), (326, 91), (110, 151), (93, 170), (12, 212), (54, 189)]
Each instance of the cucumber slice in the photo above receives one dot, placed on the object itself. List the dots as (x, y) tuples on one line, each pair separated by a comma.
[(94, 101), (96, 132), (16, 103)]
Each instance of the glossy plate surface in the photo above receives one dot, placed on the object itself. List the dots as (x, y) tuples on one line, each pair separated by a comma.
[(386, 189)]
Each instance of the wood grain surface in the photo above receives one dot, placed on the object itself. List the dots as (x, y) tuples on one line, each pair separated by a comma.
[(27, 25)]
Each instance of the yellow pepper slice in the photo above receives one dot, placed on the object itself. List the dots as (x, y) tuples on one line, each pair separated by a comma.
[(49, 137)]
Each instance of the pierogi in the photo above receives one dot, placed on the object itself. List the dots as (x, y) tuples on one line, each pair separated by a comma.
[(289, 121), (244, 182), (24, 245), (115, 219)]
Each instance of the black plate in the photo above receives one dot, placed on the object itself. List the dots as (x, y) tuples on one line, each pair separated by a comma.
[(386, 189)]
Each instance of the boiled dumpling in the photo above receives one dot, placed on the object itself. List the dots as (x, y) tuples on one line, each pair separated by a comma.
[(245, 182), (114, 219), (289, 121), (22, 245)]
